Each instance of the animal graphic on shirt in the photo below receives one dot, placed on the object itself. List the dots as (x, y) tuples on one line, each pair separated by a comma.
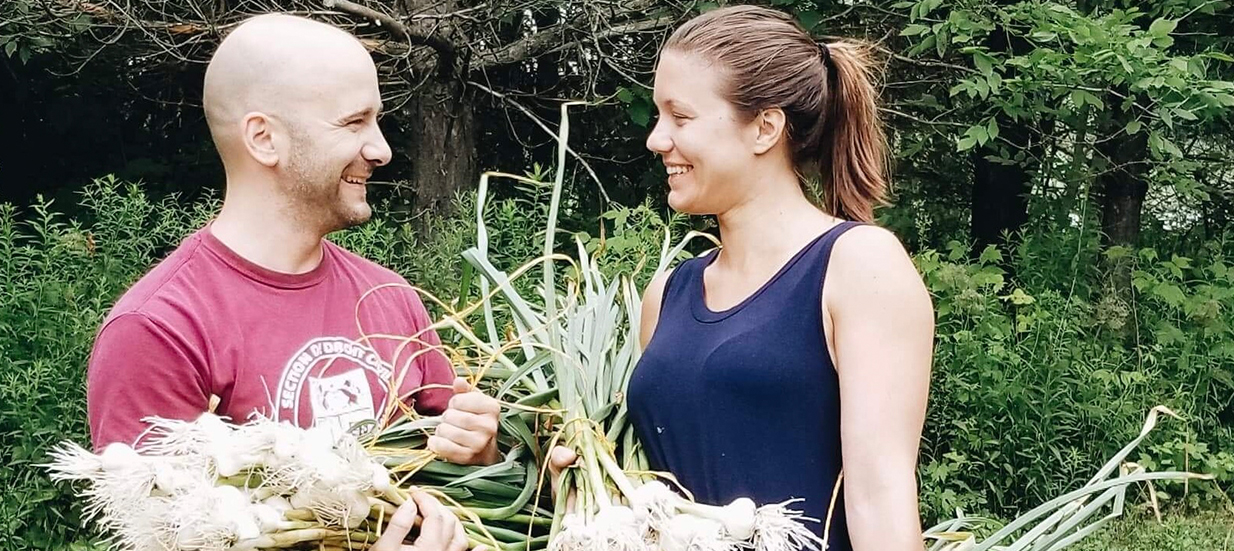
[(342, 397), (341, 401)]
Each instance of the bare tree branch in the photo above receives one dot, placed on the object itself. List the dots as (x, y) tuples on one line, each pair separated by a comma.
[(555, 39), (445, 50)]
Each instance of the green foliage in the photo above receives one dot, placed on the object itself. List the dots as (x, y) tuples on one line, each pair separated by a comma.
[(631, 240), (20, 36), (59, 278), (1033, 385), (1208, 532), (1108, 60)]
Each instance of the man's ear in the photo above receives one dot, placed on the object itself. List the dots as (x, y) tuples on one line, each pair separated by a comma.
[(258, 133), (770, 127)]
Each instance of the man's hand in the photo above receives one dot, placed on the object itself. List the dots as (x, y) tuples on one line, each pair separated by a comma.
[(440, 530), (559, 459), (467, 434)]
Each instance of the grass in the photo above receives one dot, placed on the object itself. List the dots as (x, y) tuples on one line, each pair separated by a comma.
[(1209, 531)]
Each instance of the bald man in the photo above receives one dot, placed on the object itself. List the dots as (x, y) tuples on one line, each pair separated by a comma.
[(258, 308)]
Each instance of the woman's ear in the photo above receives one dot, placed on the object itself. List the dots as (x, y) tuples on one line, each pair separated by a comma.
[(770, 127)]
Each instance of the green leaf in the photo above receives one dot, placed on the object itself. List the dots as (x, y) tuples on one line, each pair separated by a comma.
[(10, 48), (926, 44), (1077, 97), (1219, 269), (1186, 114), (1171, 148), (1222, 376), (1163, 27), (809, 19), (1220, 57), (1167, 118), (1019, 298), (922, 9), (1168, 334), (982, 88), (991, 255), (1134, 126), (914, 30), (1117, 252), (1084, 97), (984, 63), (902, 5), (625, 95), (995, 81), (1170, 293), (966, 143), (639, 113), (992, 128), (978, 133)]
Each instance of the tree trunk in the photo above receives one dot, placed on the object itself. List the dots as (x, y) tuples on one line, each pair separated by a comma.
[(1000, 191), (440, 144), (1121, 189)]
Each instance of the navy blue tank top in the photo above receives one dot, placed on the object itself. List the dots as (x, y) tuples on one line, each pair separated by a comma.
[(746, 402)]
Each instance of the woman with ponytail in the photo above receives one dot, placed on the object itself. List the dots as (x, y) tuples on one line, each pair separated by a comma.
[(794, 362)]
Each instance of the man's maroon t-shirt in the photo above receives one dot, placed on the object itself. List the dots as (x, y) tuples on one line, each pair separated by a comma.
[(303, 348)]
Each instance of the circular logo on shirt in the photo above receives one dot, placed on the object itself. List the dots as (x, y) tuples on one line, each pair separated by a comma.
[(337, 379)]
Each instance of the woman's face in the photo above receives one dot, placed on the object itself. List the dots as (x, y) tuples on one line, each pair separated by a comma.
[(707, 146)]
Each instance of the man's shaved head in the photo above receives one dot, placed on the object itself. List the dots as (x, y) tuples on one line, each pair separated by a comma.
[(272, 64), (292, 106)]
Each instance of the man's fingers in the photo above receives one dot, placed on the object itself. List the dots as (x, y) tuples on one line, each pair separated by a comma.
[(470, 421), (399, 525), (459, 543), (475, 402), (437, 530), (448, 450), (560, 458), (467, 442)]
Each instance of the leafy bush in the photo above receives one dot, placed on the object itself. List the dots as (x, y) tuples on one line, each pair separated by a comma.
[(59, 277), (1034, 386)]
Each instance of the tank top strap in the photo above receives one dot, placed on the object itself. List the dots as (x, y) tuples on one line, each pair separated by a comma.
[(680, 284), (817, 255)]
